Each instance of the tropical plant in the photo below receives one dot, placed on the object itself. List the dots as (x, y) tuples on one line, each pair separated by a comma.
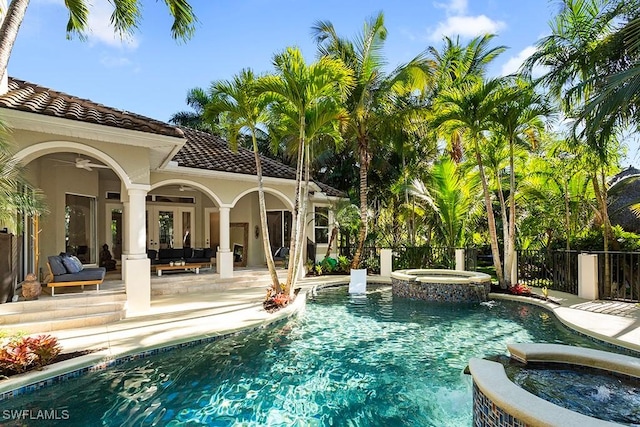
[(197, 99), (306, 99), (452, 194), (373, 89), (125, 18), (518, 121), (467, 111), (18, 198), (571, 56), (244, 111)]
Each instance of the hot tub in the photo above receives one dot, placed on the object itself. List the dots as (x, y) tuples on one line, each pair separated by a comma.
[(441, 285)]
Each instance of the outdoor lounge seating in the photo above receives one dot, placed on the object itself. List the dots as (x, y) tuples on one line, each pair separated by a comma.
[(188, 255), (66, 271)]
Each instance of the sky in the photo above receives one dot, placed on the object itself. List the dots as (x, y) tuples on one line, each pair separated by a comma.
[(150, 73)]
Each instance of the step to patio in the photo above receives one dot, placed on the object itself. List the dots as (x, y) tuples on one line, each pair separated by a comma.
[(54, 313), (198, 283)]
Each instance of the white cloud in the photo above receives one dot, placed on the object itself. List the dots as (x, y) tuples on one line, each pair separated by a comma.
[(453, 7), (101, 30), (115, 61), (466, 26), (514, 63)]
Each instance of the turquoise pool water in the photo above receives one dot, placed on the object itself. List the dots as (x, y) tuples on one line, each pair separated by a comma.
[(348, 361)]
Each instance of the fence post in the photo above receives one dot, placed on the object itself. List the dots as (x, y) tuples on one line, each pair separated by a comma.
[(386, 262), (460, 260), (588, 276)]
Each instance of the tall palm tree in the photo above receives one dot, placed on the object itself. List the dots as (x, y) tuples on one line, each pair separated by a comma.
[(373, 88), (244, 111), (308, 101), (455, 64), (517, 119), (125, 19), (571, 54), (467, 110)]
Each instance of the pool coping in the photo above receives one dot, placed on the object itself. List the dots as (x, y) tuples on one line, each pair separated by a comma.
[(492, 381), (109, 357)]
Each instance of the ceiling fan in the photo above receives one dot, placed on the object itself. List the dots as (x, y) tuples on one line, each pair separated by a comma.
[(186, 188), (85, 164)]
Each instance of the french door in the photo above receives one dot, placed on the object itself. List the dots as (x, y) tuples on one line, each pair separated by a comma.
[(170, 227)]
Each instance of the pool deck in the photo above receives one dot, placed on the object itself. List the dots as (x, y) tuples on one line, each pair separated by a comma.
[(182, 318)]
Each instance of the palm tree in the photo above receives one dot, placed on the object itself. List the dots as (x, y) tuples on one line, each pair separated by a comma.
[(125, 18), (197, 99), (455, 64), (452, 194), (571, 55), (372, 89), (244, 111), (518, 119), (17, 196), (307, 100), (467, 110)]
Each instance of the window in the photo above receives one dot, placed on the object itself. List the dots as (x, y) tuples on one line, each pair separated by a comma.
[(80, 227), (279, 223), (321, 224)]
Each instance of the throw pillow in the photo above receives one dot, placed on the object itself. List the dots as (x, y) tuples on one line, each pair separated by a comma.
[(57, 267)]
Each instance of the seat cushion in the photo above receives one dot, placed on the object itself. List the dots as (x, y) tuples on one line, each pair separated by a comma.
[(57, 267), (86, 274)]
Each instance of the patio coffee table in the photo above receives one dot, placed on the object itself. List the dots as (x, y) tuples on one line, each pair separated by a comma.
[(187, 267)]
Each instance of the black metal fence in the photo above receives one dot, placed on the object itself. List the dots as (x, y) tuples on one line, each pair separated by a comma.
[(624, 275), (370, 257), (432, 257), (556, 270)]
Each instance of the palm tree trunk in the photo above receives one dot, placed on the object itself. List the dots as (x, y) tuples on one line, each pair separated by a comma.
[(9, 31), (364, 169), (493, 235), (510, 249), (601, 195), (266, 244), (293, 242), (505, 228)]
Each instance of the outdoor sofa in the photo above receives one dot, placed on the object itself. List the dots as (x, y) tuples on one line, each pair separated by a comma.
[(67, 270)]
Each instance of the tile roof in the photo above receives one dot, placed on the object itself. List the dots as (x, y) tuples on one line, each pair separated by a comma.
[(205, 151), (30, 97), (201, 151)]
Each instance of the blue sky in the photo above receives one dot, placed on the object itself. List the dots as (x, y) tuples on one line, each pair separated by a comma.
[(151, 73)]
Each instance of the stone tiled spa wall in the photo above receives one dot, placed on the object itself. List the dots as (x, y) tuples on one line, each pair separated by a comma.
[(441, 292), (487, 414)]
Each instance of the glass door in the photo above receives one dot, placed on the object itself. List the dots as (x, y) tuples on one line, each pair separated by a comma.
[(170, 227)]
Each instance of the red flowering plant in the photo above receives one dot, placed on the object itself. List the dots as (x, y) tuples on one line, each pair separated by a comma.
[(21, 353), (520, 289), (276, 300)]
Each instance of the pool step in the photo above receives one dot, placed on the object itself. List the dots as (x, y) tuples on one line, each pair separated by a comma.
[(52, 314), (197, 283)]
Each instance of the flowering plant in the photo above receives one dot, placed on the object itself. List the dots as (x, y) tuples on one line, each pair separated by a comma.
[(520, 289)]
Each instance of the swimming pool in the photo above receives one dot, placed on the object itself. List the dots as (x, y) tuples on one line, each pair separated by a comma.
[(359, 361)]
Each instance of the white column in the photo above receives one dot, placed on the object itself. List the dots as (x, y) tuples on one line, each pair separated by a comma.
[(386, 262), (136, 271), (460, 258), (224, 261), (588, 276)]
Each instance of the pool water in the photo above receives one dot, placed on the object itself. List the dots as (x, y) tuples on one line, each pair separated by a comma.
[(591, 392), (371, 360)]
